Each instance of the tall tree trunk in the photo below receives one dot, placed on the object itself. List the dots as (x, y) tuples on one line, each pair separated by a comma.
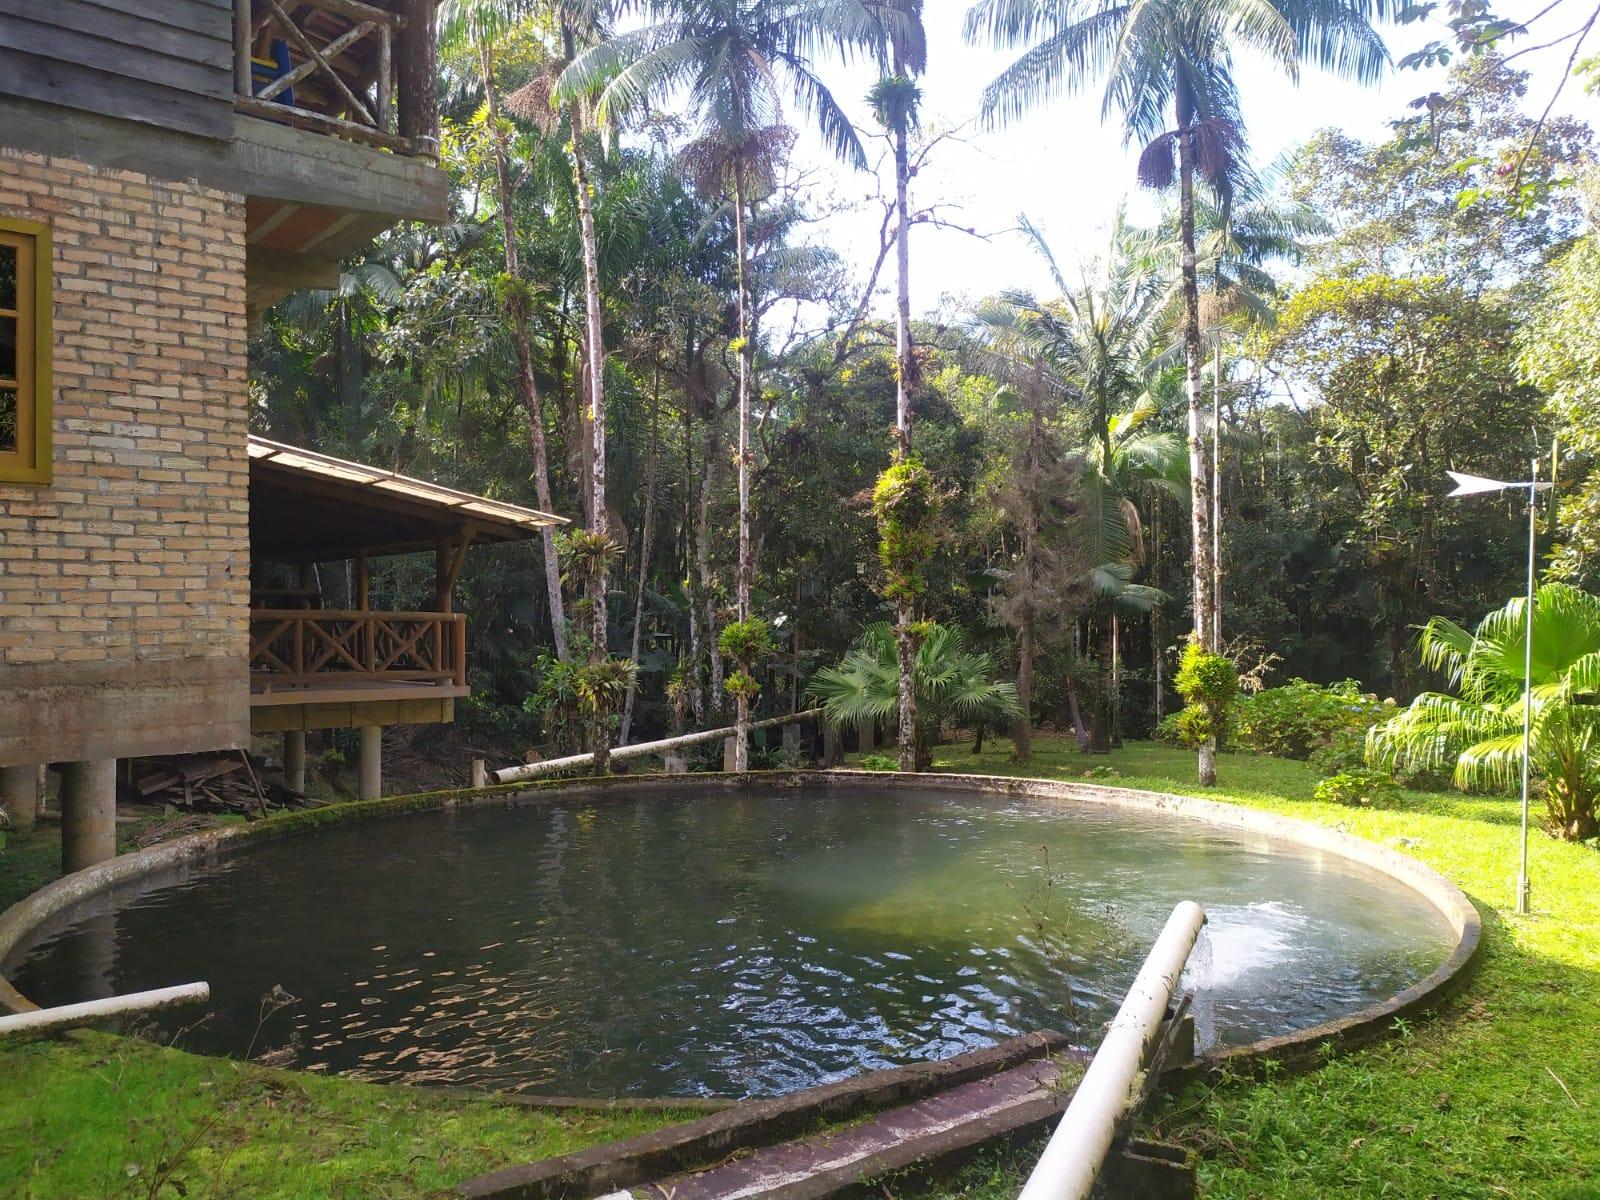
[(651, 467), (1216, 497), (905, 371), (1100, 727), (708, 591), (1022, 727), (1158, 657), (1199, 468), (522, 342), (594, 372), (741, 734)]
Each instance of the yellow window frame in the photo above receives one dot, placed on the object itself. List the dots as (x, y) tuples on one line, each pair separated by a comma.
[(30, 462)]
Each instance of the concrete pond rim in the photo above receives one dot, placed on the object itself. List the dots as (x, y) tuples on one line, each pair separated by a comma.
[(59, 902)]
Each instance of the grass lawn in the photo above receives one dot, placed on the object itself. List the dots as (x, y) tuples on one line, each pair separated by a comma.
[(1498, 1096)]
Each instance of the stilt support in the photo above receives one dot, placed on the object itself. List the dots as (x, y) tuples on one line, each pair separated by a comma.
[(371, 762), (88, 813), (19, 795), (294, 759)]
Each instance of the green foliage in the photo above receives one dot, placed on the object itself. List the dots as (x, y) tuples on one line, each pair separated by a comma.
[(1209, 684), (878, 762), (1479, 730), (1299, 718), (1357, 789), (951, 683), (556, 701), (906, 505), (742, 684), (748, 643)]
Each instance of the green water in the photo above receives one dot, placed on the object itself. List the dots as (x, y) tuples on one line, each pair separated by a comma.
[(731, 945)]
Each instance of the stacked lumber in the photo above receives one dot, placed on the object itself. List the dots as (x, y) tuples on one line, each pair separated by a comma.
[(219, 782)]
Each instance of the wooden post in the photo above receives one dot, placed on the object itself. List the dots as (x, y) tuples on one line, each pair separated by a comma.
[(88, 813), (416, 76), (729, 756), (385, 78), (461, 651), (363, 581), (19, 795), (242, 84)]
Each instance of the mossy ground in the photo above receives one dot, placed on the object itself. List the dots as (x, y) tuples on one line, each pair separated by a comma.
[(1497, 1095)]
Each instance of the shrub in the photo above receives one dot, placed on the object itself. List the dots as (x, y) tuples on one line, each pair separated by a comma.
[(878, 762), (1209, 684), (1300, 718), (1358, 789)]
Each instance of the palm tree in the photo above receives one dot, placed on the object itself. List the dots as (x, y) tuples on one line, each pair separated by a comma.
[(1176, 56), (1478, 731), (1095, 346), (580, 21), (895, 99), (471, 27), (952, 681), (734, 61)]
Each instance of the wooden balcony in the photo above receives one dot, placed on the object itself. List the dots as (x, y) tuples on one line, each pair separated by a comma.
[(314, 656), (352, 69)]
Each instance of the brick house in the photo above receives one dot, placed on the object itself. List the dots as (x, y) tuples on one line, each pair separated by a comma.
[(169, 168)]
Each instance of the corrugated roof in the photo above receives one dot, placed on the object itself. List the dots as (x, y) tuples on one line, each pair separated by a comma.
[(398, 510)]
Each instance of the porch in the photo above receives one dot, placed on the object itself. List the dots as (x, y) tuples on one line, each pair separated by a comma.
[(321, 655)]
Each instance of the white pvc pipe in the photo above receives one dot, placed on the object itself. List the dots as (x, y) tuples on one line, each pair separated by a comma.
[(551, 765), (90, 1012), (1072, 1160)]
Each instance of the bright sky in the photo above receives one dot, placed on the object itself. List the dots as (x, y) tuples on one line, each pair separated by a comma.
[(1068, 172)]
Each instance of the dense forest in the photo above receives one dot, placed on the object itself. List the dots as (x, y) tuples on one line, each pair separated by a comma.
[(763, 454)]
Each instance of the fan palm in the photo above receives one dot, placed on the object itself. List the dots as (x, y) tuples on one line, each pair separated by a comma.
[(470, 27), (1477, 733), (1161, 57), (953, 682), (735, 61)]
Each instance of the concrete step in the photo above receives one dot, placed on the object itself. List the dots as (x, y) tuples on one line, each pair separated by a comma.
[(927, 1132), (753, 1125)]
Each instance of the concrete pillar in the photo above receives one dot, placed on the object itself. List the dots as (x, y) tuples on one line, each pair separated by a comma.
[(480, 773), (88, 813), (791, 740), (730, 761), (674, 763), (294, 759), (19, 795), (371, 764)]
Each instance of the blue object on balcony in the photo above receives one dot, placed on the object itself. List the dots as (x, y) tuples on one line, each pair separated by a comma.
[(264, 70)]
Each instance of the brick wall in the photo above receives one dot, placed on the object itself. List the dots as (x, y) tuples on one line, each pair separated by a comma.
[(124, 583)]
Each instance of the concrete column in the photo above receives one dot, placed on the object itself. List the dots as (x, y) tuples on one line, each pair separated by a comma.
[(729, 753), (88, 813), (371, 766), (791, 740), (19, 795), (294, 759), (674, 763), (480, 773)]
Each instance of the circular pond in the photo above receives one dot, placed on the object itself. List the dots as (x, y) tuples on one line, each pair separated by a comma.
[(730, 942)]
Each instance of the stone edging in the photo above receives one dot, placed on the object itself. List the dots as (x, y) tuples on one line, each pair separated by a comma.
[(35, 914)]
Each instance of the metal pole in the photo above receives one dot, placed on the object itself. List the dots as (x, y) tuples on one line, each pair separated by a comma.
[(91, 1012), (1523, 891), (1072, 1160)]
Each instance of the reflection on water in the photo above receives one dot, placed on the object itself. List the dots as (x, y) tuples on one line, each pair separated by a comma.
[(731, 945)]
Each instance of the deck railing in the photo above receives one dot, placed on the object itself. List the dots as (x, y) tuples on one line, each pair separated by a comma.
[(341, 67), (319, 648)]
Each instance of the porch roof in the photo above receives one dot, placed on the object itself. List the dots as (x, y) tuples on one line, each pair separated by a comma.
[(311, 507)]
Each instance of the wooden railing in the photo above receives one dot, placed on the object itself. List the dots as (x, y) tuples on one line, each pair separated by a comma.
[(319, 648), (350, 69)]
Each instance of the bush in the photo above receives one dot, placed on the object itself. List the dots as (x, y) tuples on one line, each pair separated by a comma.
[(1300, 718), (1209, 684), (1358, 789), (878, 762)]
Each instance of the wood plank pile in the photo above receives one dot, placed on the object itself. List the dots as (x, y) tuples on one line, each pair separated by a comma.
[(225, 781)]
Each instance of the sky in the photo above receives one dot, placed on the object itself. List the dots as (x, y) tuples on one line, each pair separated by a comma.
[(1065, 169)]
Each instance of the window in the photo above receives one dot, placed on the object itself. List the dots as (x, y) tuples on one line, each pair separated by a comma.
[(25, 392)]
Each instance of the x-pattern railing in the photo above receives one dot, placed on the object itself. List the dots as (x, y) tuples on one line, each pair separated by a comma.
[(319, 647)]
